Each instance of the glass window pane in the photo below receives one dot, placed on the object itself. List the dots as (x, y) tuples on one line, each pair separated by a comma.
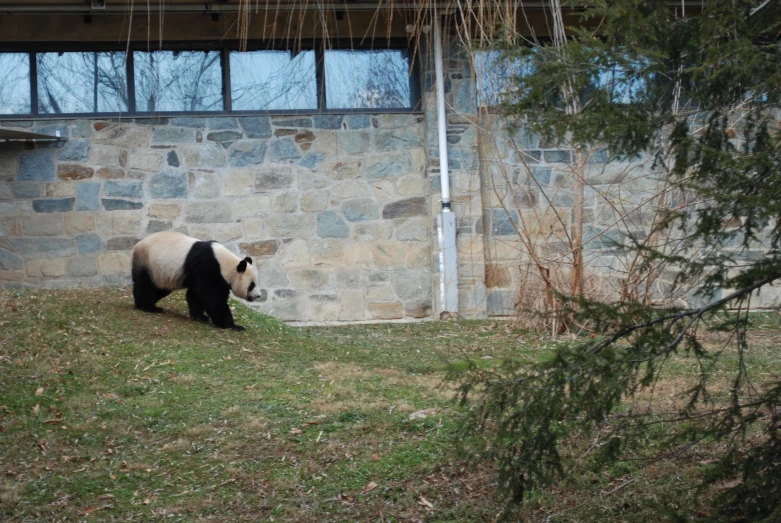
[(85, 82), (15, 83), (178, 81), (376, 79), (273, 80), (497, 74)]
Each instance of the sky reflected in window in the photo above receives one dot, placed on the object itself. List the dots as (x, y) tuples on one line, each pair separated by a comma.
[(88, 82), (183, 81), (273, 80), (14, 83), (367, 79)]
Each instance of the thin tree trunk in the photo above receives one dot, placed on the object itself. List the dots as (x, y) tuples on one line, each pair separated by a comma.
[(572, 106)]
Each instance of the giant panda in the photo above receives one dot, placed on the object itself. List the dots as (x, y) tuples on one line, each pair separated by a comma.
[(168, 261)]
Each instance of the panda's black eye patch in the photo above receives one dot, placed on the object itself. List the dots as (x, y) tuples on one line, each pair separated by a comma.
[(251, 286)]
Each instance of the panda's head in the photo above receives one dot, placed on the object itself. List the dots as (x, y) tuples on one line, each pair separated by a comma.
[(245, 284)]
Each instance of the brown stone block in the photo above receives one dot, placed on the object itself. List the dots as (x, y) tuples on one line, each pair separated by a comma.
[(386, 311), (69, 171), (304, 136), (261, 248), (110, 173), (418, 309), (496, 276)]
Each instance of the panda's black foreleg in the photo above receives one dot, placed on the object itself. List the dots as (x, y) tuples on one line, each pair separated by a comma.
[(196, 308), (222, 317), (215, 303)]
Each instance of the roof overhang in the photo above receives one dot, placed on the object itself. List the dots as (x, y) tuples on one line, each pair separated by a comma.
[(13, 134), (223, 6)]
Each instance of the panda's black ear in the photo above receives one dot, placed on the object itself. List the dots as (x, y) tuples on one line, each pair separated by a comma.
[(248, 260)]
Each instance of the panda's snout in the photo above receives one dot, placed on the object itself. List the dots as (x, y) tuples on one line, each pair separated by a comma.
[(250, 298)]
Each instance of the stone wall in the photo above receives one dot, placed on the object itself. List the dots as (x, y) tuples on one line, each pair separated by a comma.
[(335, 209), (338, 210)]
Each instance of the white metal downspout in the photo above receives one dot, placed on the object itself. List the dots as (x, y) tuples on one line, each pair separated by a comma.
[(446, 220)]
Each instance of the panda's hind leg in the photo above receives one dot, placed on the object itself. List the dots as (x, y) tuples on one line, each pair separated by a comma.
[(145, 293)]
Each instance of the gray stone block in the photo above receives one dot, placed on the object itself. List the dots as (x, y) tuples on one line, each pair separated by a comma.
[(502, 224), (40, 248), (331, 225), (204, 184), (416, 229), (54, 205), (158, 226), (188, 122), (256, 126), (222, 123), (272, 179), (89, 243), (272, 274), (293, 122), (311, 160), (327, 121), (355, 143), (208, 212), (124, 188), (82, 267), (121, 243), (26, 190), (501, 303), (172, 135), (599, 156), (397, 139), (224, 136), (152, 121), (404, 208), (243, 154), (361, 209), (358, 121), (558, 156), (75, 151), (387, 165), (10, 261), (168, 184), (5, 191), (281, 150), (172, 159), (412, 284), (87, 196), (111, 204), (36, 166)]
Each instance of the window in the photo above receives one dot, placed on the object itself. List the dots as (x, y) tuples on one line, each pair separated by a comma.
[(621, 82), (15, 83), (212, 79), (495, 74), (373, 79), (186, 81), (88, 82), (273, 80)]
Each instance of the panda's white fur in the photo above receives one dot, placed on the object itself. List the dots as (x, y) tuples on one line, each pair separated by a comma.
[(167, 261), (164, 254)]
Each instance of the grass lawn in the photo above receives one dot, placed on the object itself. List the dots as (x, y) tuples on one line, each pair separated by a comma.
[(108, 413)]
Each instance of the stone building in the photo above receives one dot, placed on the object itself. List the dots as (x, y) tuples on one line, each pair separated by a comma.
[(305, 136)]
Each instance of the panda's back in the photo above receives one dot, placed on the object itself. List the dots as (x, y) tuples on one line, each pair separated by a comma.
[(163, 255)]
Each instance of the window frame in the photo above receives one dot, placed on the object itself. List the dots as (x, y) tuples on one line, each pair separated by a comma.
[(224, 48)]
